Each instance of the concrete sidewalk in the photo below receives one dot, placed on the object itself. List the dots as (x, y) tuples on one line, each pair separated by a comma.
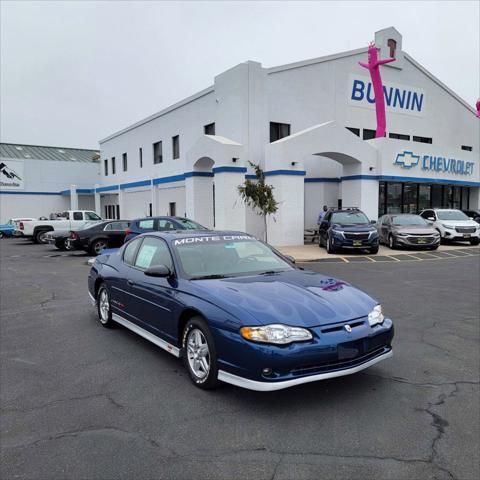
[(311, 251)]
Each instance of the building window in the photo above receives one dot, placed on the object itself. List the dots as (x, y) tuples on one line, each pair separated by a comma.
[(124, 161), (140, 157), (172, 207), (422, 139), (394, 197), (105, 163), (467, 148), (437, 196), (118, 212), (114, 166), (399, 136), (381, 199), (176, 146), (278, 131), (106, 211), (424, 196), (157, 153), (368, 134), (392, 45), (150, 212), (356, 131), (209, 129)]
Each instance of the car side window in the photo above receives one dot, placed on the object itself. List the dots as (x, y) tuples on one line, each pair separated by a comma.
[(146, 224), (153, 252), (108, 227), (91, 216), (130, 250), (116, 226), (426, 214), (77, 215), (165, 224)]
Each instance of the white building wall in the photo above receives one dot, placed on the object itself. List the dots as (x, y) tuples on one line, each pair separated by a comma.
[(174, 192), (34, 206)]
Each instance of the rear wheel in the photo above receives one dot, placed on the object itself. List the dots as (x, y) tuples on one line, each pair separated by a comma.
[(199, 354), (40, 236), (98, 246), (103, 308)]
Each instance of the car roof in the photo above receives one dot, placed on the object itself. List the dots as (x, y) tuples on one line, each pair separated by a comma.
[(173, 234), (169, 217)]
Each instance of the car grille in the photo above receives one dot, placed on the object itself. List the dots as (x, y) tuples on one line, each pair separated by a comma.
[(465, 229), (340, 365), (356, 236), (419, 239)]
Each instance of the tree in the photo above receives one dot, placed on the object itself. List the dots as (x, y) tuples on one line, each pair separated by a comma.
[(259, 196)]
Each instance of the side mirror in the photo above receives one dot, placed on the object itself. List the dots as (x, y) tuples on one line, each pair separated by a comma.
[(290, 258), (161, 271), (431, 219)]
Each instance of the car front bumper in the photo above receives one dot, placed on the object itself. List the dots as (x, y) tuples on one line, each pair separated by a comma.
[(333, 352), (340, 242), (453, 234), (417, 241)]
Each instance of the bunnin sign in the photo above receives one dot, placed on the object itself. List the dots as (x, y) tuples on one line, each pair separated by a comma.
[(11, 175), (433, 163), (398, 98)]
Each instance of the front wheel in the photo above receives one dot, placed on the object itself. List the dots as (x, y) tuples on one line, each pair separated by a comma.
[(474, 241), (103, 308), (374, 250), (330, 247), (98, 246), (199, 354), (391, 242), (60, 244)]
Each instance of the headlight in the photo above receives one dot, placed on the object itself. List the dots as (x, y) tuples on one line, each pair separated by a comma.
[(276, 333), (445, 225), (401, 234), (337, 232), (375, 316)]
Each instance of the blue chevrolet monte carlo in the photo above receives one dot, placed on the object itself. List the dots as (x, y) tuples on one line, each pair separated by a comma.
[(237, 311)]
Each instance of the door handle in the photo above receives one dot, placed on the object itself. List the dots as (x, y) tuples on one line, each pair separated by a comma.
[(130, 283)]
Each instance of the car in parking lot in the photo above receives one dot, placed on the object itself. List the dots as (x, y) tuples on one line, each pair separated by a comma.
[(473, 214), (452, 224), (6, 229), (159, 224), (407, 230), (107, 234), (347, 228), (236, 310)]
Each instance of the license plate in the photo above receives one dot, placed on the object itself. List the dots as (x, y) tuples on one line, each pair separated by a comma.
[(466, 235), (422, 240), (357, 243)]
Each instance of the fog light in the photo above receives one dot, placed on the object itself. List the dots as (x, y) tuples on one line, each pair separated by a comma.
[(447, 234), (267, 371)]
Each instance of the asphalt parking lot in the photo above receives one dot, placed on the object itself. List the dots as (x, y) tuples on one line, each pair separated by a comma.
[(81, 401)]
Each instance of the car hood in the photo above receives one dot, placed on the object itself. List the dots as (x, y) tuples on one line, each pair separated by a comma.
[(417, 229), (297, 298), (459, 223)]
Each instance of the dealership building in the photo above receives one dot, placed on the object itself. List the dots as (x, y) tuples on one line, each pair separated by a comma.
[(311, 126)]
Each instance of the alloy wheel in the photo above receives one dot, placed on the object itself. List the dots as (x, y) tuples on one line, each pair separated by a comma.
[(104, 306), (99, 246), (198, 353)]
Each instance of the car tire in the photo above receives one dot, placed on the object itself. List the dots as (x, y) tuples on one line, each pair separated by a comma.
[(1, 235), (435, 247), (474, 241), (374, 250), (329, 244), (103, 308), (97, 246), (60, 244), (392, 244), (39, 236), (199, 353)]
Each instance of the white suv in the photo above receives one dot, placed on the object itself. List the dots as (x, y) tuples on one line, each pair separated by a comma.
[(452, 224)]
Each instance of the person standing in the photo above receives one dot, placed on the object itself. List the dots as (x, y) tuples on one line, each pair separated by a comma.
[(321, 215)]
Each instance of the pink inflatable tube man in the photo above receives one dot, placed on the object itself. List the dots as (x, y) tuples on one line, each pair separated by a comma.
[(478, 108), (373, 67)]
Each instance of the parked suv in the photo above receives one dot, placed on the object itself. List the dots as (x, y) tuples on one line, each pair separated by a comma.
[(452, 224), (473, 214), (347, 228), (155, 224)]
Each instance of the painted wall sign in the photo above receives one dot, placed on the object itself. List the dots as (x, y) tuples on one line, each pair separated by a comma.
[(398, 98), (11, 175), (434, 163)]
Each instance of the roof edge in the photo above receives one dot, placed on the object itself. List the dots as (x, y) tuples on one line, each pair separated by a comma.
[(438, 82), (312, 61), (96, 150), (166, 110)]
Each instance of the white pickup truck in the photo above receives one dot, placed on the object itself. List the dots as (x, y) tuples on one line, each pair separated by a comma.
[(69, 220)]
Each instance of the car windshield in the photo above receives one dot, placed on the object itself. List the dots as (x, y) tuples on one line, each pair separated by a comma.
[(408, 220), (226, 256), (451, 215), (349, 218), (188, 224)]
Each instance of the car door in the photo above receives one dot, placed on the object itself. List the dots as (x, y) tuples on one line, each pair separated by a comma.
[(385, 228), (323, 228), (155, 303), (115, 233)]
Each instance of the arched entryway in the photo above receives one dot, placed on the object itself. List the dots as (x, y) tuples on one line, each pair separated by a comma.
[(289, 163), (201, 190)]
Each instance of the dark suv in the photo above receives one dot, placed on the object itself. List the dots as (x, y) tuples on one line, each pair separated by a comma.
[(155, 224), (347, 228)]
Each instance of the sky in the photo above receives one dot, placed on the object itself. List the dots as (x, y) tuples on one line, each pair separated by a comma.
[(73, 72)]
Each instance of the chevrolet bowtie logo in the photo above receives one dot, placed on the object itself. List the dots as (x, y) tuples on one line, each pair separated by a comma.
[(407, 159)]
